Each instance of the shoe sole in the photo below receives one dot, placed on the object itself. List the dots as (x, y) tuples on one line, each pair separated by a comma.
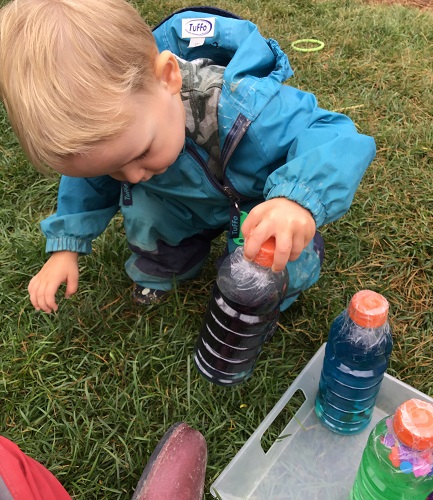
[(177, 467)]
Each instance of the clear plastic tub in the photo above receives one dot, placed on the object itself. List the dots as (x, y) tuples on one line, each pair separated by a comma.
[(308, 461)]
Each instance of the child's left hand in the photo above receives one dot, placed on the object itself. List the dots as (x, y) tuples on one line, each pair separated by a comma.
[(291, 224)]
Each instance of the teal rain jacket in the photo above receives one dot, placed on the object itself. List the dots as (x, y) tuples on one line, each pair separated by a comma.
[(275, 142)]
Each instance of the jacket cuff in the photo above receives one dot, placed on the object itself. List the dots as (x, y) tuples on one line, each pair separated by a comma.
[(70, 244), (304, 196)]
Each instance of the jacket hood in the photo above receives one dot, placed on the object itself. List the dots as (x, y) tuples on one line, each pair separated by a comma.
[(255, 67)]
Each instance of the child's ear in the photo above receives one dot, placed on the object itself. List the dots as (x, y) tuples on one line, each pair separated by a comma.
[(167, 71)]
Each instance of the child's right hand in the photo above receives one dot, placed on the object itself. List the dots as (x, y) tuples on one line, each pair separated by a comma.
[(61, 267)]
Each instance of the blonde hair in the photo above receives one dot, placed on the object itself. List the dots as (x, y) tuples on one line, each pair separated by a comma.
[(66, 68)]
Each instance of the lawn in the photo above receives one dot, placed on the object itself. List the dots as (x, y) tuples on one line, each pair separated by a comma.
[(90, 390)]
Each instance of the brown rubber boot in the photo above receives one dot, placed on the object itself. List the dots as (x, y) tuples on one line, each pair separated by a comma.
[(176, 469)]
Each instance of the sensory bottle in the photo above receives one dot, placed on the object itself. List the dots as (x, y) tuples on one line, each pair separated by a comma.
[(356, 357), (241, 315), (397, 463)]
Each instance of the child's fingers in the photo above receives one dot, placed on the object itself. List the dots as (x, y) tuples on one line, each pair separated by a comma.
[(33, 290), (283, 248), (47, 298), (297, 246), (50, 304), (71, 285), (254, 240), (42, 296)]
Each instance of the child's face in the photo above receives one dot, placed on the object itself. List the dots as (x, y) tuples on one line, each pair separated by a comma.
[(146, 148)]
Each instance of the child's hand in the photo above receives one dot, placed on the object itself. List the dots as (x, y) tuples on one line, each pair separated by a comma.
[(61, 267), (292, 226)]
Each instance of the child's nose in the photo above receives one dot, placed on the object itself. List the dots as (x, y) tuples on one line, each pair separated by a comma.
[(134, 175)]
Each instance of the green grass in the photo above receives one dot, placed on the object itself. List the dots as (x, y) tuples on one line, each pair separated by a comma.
[(89, 391)]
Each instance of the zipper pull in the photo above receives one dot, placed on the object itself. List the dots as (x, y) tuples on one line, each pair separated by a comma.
[(235, 220), (240, 240), (237, 217), (126, 194)]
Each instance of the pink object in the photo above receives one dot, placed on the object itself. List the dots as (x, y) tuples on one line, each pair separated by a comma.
[(22, 478), (176, 469)]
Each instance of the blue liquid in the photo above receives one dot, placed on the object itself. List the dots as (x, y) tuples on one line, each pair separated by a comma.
[(355, 362)]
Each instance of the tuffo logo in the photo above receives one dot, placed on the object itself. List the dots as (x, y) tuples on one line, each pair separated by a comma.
[(198, 27)]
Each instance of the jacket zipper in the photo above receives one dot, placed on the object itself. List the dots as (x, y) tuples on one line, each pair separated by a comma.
[(228, 190)]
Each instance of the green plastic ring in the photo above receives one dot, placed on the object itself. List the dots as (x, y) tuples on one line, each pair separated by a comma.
[(319, 45)]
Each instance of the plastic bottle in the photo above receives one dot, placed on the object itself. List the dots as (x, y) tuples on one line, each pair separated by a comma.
[(242, 313), (397, 463), (356, 358)]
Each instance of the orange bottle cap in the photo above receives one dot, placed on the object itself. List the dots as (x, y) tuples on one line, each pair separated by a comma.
[(265, 256), (413, 424), (368, 309)]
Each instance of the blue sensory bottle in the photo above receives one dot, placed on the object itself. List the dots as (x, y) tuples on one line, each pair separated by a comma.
[(356, 358)]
